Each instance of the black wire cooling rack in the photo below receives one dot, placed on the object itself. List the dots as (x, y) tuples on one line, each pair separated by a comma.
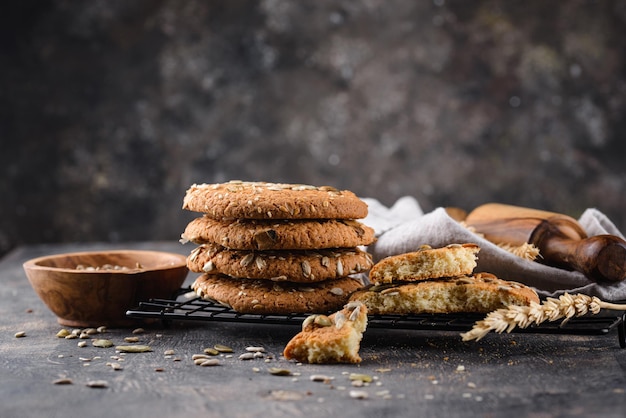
[(183, 307)]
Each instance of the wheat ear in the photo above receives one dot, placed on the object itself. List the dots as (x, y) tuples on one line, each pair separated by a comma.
[(565, 307)]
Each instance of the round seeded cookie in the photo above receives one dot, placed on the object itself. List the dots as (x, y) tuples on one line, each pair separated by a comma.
[(266, 297), (426, 263), (330, 339), (250, 234), (294, 266), (261, 200), (481, 292)]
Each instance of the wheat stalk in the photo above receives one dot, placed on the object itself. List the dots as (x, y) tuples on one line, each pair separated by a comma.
[(565, 307)]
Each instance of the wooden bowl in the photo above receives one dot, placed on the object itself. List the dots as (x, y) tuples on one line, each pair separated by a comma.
[(90, 289)]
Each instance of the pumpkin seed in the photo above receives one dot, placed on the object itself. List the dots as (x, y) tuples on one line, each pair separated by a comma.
[(102, 343), (63, 333), (223, 348), (360, 376)]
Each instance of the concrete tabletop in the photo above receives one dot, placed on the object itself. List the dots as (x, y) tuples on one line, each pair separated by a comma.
[(413, 373)]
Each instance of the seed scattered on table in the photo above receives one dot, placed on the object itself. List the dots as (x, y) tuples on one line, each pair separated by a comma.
[(320, 378), (210, 362), (139, 331), (82, 344), (63, 333), (20, 334), (63, 381), (279, 372), (246, 356), (99, 384), (102, 343), (169, 352), (358, 394), (211, 351), (223, 348), (362, 377), (131, 339), (133, 348)]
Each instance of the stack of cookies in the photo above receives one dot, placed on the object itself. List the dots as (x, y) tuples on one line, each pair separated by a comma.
[(271, 248), (438, 280)]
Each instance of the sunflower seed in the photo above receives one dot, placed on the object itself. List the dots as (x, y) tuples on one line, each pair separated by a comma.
[(210, 362), (246, 356), (131, 339), (100, 384), (260, 263), (336, 291), (306, 268), (245, 262), (339, 268), (358, 394), (279, 372), (208, 266), (63, 381), (211, 351), (133, 348), (340, 320), (20, 334)]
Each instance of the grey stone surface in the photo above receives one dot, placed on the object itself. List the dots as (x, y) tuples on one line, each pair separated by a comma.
[(109, 110)]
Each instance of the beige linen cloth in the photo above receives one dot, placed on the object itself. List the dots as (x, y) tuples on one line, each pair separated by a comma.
[(403, 227)]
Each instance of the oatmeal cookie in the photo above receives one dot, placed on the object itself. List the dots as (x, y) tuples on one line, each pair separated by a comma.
[(330, 339), (267, 297), (247, 234), (294, 266), (426, 263), (481, 292), (262, 200)]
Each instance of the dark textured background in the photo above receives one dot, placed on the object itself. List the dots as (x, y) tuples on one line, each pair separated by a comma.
[(109, 110)]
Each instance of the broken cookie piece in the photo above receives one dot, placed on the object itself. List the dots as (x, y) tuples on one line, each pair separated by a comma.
[(330, 339)]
